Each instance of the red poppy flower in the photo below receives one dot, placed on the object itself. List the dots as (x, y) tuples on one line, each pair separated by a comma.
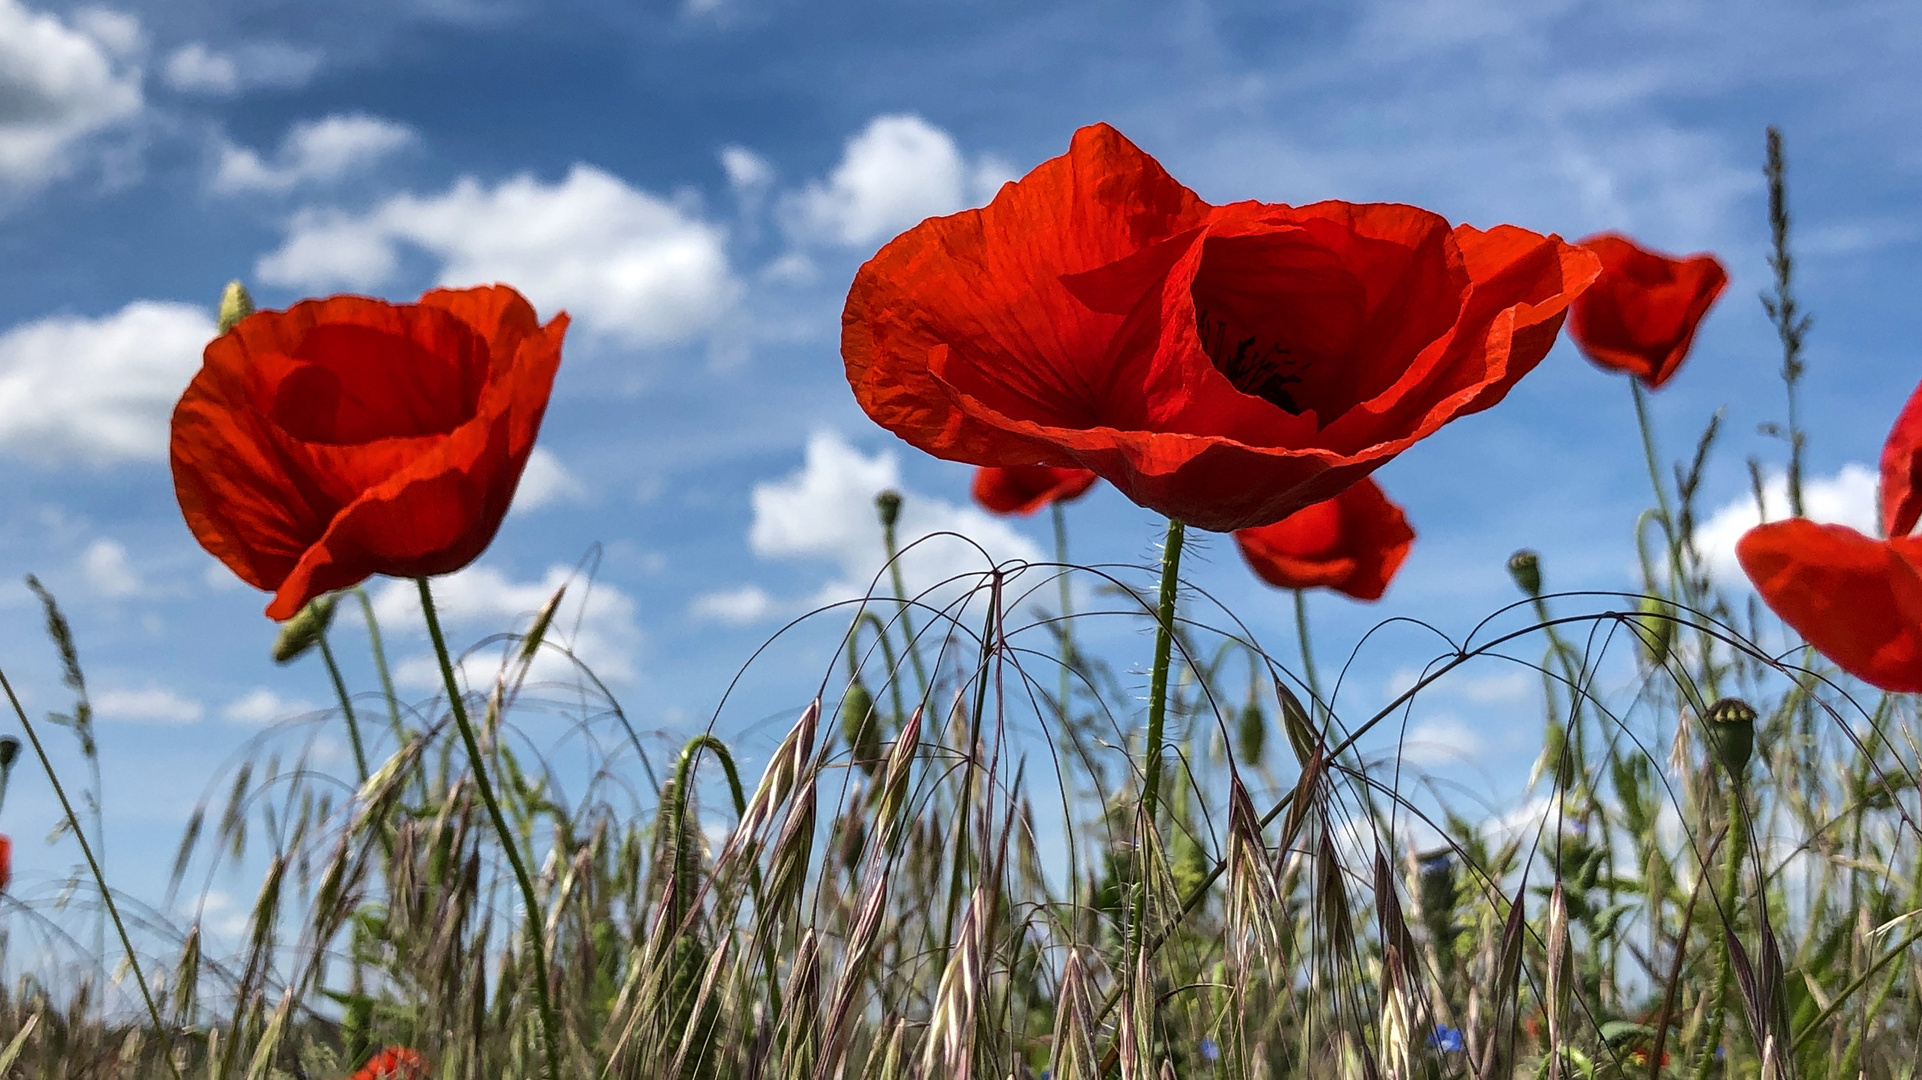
[(1023, 489), (1902, 470), (1857, 600), (393, 1063), (1352, 543), (1640, 316), (1225, 366), (348, 437), (6, 862)]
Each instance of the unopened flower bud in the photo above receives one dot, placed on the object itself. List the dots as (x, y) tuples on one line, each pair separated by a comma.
[(860, 727), (1526, 568), (1658, 628), (889, 504), (1251, 734), (9, 749), (235, 305), (302, 632), (1731, 726)]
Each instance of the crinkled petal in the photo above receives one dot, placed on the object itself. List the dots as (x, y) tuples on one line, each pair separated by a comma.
[(1857, 600)]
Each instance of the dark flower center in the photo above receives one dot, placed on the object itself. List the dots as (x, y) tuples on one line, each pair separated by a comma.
[(1266, 369)]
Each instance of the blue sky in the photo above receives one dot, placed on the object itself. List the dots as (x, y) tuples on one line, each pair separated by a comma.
[(696, 183)]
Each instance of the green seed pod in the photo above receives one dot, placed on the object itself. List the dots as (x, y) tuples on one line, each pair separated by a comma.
[(302, 632), (1251, 733), (1658, 628), (1731, 726), (235, 305), (1526, 568), (860, 727), (889, 504)]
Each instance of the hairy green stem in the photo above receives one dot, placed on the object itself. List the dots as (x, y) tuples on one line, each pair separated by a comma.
[(1158, 678), (550, 1030), (346, 704), (99, 877)]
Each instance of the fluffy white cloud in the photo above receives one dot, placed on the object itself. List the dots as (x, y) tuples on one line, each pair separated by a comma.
[(738, 606), (194, 68), (98, 390), (898, 171), (622, 261), (826, 511), (61, 81), (546, 482), (109, 571), (314, 152), (261, 707), (153, 705), (596, 622), (1441, 741), (1847, 498)]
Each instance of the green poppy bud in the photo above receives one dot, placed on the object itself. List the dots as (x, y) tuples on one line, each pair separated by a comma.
[(9, 749), (1251, 733), (889, 504), (1731, 727), (235, 305), (302, 632), (1658, 628), (860, 727), (1526, 568)]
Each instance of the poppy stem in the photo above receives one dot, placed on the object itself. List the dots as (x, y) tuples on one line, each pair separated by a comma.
[(1067, 607), (1158, 679), (549, 1034), (346, 703), (1307, 650), (99, 876)]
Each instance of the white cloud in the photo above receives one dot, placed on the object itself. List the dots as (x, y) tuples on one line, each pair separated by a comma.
[(314, 152), (154, 705), (898, 171), (61, 81), (194, 68), (826, 511), (747, 171), (109, 571), (624, 262), (546, 482), (98, 390), (738, 606), (1441, 741), (1847, 498), (1504, 687), (596, 621), (261, 707)]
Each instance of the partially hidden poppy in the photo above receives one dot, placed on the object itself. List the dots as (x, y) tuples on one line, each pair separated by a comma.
[(1352, 543), (1901, 488), (1223, 365), (1856, 599), (393, 1063), (6, 862), (1023, 489), (1640, 315), (347, 437)]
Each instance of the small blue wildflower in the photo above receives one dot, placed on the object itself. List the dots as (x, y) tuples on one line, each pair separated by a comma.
[(1210, 1051), (1447, 1039)]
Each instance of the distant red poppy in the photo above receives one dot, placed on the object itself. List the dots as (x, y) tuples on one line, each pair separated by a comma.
[(1352, 543), (1857, 600), (348, 437), (6, 862), (1225, 366), (1902, 470), (1639, 317), (393, 1063), (1023, 489)]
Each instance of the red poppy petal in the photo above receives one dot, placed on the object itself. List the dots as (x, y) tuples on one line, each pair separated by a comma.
[(987, 283), (1641, 316), (1902, 470), (1024, 489), (1353, 543), (1857, 600)]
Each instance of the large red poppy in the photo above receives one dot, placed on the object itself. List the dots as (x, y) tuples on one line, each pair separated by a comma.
[(1352, 543), (1902, 470), (1639, 317), (1023, 489), (1857, 600), (1225, 366), (348, 437)]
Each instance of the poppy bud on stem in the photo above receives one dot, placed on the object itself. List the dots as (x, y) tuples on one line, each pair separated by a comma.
[(1526, 568), (235, 305)]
